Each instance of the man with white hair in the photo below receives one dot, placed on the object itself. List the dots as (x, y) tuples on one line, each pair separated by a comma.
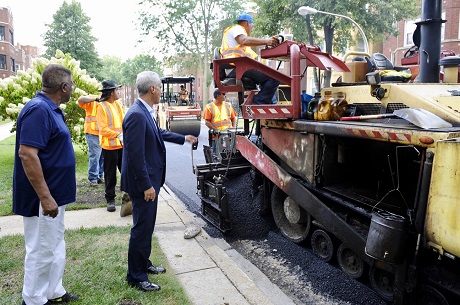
[(143, 174)]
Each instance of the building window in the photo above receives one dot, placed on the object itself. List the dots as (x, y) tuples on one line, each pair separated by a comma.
[(443, 26), (11, 38), (2, 33), (13, 66), (409, 29), (2, 62)]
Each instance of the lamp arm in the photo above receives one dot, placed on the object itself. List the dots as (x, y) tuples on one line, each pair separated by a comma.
[(366, 44)]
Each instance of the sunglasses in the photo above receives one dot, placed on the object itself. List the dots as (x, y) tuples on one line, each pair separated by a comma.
[(222, 94)]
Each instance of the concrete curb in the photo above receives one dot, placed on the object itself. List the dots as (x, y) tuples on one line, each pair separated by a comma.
[(249, 281)]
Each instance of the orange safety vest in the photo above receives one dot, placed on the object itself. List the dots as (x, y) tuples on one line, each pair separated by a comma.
[(220, 117), (110, 117), (91, 126), (239, 50)]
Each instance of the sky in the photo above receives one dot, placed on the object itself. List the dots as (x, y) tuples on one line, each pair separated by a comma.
[(113, 24)]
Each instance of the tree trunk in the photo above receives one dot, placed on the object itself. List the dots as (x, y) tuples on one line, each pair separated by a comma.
[(310, 38), (328, 36)]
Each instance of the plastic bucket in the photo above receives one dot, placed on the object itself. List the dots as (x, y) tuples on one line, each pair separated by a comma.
[(387, 237)]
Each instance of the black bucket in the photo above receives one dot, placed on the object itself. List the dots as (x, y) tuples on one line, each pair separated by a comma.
[(387, 237)]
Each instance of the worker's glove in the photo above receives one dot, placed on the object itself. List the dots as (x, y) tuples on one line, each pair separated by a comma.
[(120, 137)]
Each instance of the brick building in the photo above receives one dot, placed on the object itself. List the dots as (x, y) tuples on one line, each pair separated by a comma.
[(13, 57), (395, 47)]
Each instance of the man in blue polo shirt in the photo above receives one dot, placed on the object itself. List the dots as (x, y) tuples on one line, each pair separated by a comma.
[(43, 183)]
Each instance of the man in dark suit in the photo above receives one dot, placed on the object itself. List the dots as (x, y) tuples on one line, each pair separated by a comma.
[(143, 173)]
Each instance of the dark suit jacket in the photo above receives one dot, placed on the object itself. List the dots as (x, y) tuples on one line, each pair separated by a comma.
[(144, 152)]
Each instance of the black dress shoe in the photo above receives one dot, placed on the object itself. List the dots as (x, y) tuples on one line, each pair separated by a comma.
[(145, 286), (155, 270), (47, 303)]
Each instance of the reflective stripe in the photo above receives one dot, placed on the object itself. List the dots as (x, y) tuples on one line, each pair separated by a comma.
[(91, 125), (239, 50), (114, 123), (224, 121)]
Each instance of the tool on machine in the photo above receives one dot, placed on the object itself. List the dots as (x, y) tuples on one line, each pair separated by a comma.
[(417, 116)]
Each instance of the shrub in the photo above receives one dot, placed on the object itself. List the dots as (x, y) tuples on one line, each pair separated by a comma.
[(16, 91)]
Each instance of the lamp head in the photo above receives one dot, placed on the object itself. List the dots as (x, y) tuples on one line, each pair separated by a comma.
[(306, 10)]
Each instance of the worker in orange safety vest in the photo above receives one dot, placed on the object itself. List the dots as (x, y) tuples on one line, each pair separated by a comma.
[(236, 42), (110, 116), (218, 115), (96, 160)]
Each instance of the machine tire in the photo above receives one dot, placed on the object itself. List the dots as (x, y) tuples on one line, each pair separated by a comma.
[(322, 245), (282, 208), (382, 282), (349, 262)]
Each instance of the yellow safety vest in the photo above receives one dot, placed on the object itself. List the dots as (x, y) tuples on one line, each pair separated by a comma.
[(239, 50), (220, 117), (110, 117)]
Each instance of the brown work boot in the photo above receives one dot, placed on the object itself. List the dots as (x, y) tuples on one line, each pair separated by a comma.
[(126, 205)]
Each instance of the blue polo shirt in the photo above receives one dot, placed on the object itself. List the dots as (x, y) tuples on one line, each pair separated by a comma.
[(41, 125)]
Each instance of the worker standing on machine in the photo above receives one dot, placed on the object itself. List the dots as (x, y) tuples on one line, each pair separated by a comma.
[(219, 115)]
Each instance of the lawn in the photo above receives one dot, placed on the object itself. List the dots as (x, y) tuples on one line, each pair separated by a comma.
[(95, 270)]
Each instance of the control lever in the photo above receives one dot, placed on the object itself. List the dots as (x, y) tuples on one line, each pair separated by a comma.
[(194, 147)]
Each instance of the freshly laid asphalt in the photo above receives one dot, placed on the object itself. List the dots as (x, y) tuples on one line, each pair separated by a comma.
[(211, 272)]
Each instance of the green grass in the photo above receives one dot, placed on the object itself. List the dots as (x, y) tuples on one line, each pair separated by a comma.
[(6, 174), (95, 270)]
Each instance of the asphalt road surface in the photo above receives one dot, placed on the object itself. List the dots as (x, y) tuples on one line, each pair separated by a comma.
[(295, 269)]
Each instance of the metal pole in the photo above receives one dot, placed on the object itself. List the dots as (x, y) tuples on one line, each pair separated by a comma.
[(430, 41), (366, 44)]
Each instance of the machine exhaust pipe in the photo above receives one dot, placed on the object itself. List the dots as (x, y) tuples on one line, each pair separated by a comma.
[(428, 39)]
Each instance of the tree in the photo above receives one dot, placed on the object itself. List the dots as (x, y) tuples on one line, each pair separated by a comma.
[(184, 26), (376, 17), (112, 69), (139, 63), (70, 32)]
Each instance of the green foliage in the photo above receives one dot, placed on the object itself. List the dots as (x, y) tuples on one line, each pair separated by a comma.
[(140, 63), (112, 69), (185, 26), (16, 91), (70, 32), (377, 18), (6, 176)]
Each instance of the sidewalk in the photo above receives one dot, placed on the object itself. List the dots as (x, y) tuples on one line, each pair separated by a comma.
[(5, 130), (211, 272)]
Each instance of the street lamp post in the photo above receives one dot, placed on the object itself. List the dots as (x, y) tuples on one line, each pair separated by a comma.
[(306, 10)]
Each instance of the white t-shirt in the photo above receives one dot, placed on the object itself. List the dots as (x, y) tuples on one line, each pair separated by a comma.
[(234, 32)]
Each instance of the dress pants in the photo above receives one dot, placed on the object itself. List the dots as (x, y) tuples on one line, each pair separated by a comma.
[(140, 242), (112, 161), (44, 263), (267, 86)]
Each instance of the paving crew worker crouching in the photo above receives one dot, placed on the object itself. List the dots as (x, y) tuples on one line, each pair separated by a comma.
[(219, 115), (43, 183), (110, 116)]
